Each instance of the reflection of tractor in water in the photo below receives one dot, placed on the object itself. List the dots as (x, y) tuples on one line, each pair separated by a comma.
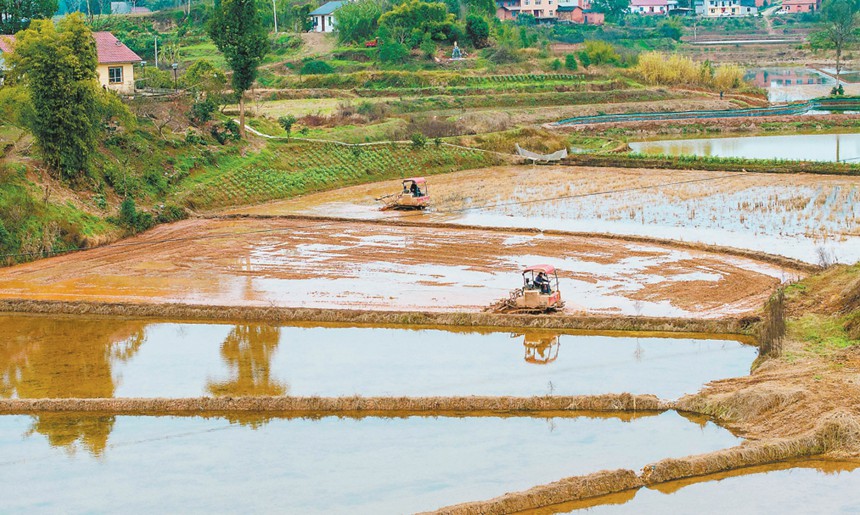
[(541, 348), (413, 196), (539, 294)]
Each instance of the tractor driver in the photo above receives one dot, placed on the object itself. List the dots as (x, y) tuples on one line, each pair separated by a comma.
[(542, 282), (416, 192)]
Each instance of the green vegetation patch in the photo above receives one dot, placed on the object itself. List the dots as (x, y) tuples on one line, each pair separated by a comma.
[(290, 169)]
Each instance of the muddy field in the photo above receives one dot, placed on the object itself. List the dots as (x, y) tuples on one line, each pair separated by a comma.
[(356, 265), (801, 216)]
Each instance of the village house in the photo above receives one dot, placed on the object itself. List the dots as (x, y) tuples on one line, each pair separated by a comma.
[(649, 7), (323, 16), (542, 10), (717, 8), (116, 61), (578, 11), (800, 6)]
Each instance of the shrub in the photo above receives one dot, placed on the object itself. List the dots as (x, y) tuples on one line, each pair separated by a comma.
[(600, 52), (555, 65), (418, 140), (570, 62), (201, 112), (393, 53), (316, 67), (584, 59), (478, 31)]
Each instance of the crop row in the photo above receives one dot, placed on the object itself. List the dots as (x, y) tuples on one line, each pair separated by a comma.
[(295, 169)]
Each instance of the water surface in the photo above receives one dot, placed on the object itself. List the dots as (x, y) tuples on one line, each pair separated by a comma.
[(44, 357), (69, 464), (796, 487), (801, 147)]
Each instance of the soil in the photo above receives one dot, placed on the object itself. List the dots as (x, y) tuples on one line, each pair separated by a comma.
[(355, 265), (786, 214)]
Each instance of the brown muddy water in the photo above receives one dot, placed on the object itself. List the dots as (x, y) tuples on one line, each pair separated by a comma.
[(795, 487), (791, 215), (73, 464), (68, 357), (307, 263)]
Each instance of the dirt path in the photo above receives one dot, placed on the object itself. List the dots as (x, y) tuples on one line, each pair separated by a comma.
[(312, 264)]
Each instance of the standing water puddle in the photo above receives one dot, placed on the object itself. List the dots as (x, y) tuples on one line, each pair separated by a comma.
[(42, 357), (795, 487), (65, 463), (801, 147)]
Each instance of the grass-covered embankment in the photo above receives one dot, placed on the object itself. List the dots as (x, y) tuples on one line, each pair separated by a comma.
[(729, 164), (284, 170)]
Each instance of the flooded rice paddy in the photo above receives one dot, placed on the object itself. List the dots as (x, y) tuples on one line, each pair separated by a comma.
[(800, 147), (791, 488), (71, 463), (795, 84), (42, 357), (794, 215), (306, 263)]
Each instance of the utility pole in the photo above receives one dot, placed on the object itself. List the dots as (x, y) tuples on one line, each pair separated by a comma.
[(156, 52), (275, 14)]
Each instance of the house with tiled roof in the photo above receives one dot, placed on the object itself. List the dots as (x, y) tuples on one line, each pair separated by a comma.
[(323, 16), (801, 6), (115, 61), (650, 7)]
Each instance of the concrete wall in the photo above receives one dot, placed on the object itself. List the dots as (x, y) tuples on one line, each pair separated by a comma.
[(126, 87)]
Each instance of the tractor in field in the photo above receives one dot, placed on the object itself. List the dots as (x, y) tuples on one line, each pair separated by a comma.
[(413, 196), (539, 294)]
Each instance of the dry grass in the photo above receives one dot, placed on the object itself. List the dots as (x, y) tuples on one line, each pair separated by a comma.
[(410, 318), (568, 489), (530, 406)]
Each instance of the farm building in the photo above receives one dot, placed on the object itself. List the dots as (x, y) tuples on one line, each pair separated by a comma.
[(542, 10), (801, 6), (649, 7), (717, 8), (323, 17), (116, 61)]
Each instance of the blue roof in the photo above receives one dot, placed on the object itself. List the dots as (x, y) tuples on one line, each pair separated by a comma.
[(327, 8)]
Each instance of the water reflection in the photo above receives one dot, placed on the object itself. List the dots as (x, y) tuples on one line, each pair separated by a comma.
[(44, 358), (805, 147), (330, 465), (784, 487), (541, 348), (247, 351), (66, 358)]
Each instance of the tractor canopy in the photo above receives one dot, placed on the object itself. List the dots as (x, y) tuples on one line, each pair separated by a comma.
[(416, 180), (547, 269)]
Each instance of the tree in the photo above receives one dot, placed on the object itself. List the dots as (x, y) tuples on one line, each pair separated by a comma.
[(58, 67), (238, 33), (287, 123), (478, 31), (840, 21), (204, 79), (15, 15), (613, 9), (570, 62), (357, 21), (415, 15)]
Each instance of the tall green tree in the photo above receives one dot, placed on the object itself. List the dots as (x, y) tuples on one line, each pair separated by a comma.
[(416, 15), (613, 9), (357, 21), (58, 68), (15, 15), (840, 22), (238, 32)]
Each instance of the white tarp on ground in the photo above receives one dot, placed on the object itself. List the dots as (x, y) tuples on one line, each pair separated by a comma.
[(555, 156)]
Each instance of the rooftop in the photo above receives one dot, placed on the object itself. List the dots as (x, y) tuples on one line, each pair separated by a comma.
[(109, 49), (327, 8), (647, 3)]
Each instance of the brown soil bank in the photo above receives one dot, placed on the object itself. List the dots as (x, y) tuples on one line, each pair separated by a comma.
[(312, 263)]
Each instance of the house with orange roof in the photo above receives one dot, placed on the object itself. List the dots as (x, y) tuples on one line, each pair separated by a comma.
[(116, 61)]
